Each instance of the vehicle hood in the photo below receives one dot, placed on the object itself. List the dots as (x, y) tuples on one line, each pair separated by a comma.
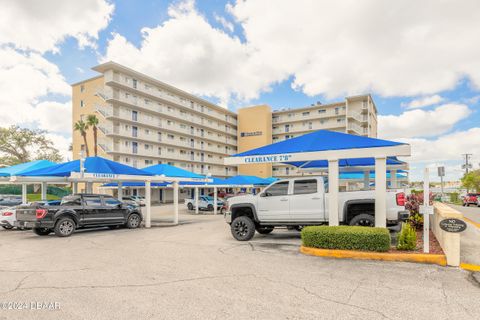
[(247, 198)]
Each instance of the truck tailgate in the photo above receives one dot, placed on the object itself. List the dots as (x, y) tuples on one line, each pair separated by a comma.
[(27, 213)]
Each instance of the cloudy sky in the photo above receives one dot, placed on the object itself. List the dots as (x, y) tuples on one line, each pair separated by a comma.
[(419, 60)]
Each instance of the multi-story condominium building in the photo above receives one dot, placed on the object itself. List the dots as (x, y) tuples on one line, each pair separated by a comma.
[(144, 121), (259, 125)]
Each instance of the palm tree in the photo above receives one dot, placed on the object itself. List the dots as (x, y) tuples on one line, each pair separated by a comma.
[(82, 127), (92, 121)]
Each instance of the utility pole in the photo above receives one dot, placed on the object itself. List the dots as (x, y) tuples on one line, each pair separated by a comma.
[(467, 165)]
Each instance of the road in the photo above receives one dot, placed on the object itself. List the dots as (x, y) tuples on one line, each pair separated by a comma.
[(198, 271), (470, 238)]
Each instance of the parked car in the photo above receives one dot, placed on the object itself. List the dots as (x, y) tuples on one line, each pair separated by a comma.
[(471, 198), (10, 201), (8, 218), (78, 211), (299, 202), (137, 199), (205, 203)]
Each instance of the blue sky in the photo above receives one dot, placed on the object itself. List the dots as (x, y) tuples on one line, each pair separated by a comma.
[(239, 53)]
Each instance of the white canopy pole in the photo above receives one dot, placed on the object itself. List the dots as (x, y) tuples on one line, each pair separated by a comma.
[(74, 187), (120, 191), (196, 196), (393, 179), (44, 191), (148, 205), (381, 192), (366, 180), (333, 193), (24, 193), (175, 202), (215, 200)]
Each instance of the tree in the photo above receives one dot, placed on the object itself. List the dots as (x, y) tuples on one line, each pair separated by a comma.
[(471, 180), (82, 127), (19, 145), (92, 121)]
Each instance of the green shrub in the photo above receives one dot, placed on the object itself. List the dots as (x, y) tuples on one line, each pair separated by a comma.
[(407, 240), (346, 238), (454, 197), (38, 197)]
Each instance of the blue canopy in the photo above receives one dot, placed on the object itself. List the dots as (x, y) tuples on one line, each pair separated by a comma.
[(216, 181), (24, 167), (321, 140), (359, 175), (247, 180), (357, 162), (91, 165), (171, 171)]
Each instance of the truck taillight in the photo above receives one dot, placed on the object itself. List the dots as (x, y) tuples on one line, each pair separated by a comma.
[(401, 199), (40, 213), (7, 214)]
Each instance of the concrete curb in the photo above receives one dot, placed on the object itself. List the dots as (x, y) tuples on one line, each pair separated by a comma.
[(439, 259)]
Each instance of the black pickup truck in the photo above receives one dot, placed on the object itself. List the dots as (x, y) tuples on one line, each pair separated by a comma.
[(78, 211)]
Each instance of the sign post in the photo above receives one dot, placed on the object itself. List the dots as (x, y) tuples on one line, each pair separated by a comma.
[(441, 174), (426, 214)]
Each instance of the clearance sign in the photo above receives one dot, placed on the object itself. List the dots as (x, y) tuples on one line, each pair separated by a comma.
[(267, 159)]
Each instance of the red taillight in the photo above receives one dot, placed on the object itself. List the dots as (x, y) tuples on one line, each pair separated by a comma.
[(41, 213), (7, 214), (401, 199)]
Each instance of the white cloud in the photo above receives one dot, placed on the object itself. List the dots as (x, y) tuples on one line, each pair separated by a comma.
[(400, 48), (445, 150), (41, 25), (24, 79), (224, 22), (62, 144), (188, 52), (421, 123), (54, 116), (424, 101)]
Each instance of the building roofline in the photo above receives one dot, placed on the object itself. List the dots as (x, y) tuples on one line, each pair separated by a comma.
[(86, 80), (116, 66)]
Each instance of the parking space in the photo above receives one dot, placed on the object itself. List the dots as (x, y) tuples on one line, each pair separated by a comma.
[(198, 271)]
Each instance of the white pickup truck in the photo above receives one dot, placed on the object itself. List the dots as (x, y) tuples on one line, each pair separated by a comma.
[(302, 201)]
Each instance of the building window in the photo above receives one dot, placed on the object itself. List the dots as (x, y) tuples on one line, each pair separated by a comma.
[(287, 128), (310, 126), (134, 115), (134, 132), (134, 147), (82, 88), (171, 136), (148, 162), (337, 110), (305, 114), (322, 111), (159, 151), (134, 81), (82, 104)]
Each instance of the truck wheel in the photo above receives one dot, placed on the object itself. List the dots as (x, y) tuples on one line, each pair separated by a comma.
[(190, 206), (210, 207), (133, 221), (64, 227), (364, 220), (242, 228), (7, 227), (42, 231), (264, 230)]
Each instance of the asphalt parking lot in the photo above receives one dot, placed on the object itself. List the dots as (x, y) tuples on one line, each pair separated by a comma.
[(198, 271)]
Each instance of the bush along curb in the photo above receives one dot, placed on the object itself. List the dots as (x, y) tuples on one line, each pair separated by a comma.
[(346, 238), (353, 242)]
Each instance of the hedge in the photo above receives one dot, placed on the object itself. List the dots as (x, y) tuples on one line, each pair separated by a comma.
[(347, 238), (17, 190)]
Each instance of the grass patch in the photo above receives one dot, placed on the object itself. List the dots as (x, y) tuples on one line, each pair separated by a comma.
[(347, 238), (31, 197)]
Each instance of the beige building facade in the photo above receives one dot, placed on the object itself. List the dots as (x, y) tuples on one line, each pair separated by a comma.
[(144, 121)]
